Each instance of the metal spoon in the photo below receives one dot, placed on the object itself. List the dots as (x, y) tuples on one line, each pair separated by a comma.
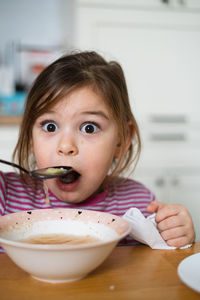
[(46, 173)]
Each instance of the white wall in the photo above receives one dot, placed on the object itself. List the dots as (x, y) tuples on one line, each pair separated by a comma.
[(42, 23)]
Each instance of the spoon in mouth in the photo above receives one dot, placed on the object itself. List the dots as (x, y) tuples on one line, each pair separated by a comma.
[(46, 173)]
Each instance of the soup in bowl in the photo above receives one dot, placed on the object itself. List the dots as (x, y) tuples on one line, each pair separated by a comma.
[(60, 245)]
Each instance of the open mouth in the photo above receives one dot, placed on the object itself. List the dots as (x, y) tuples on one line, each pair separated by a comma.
[(70, 177)]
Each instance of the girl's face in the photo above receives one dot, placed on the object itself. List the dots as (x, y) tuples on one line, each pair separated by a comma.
[(79, 132)]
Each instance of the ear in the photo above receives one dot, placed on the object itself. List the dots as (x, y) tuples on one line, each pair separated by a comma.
[(129, 137)]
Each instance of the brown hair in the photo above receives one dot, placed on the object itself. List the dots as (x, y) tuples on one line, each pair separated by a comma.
[(70, 72)]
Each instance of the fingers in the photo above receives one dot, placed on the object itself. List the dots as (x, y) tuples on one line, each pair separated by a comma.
[(171, 216), (167, 211), (178, 242), (154, 206), (173, 222), (173, 233)]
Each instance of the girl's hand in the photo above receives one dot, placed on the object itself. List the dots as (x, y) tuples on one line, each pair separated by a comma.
[(174, 223)]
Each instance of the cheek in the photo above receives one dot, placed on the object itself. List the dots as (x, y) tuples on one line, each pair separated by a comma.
[(41, 158), (39, 151), (100, 159)]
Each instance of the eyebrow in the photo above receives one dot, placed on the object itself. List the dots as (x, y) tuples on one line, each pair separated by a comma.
[(96, 113)]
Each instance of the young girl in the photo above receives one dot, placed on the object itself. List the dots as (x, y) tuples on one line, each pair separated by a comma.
[(78, 114)]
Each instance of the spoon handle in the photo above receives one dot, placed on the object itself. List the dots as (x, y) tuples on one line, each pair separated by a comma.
[(13, 165)]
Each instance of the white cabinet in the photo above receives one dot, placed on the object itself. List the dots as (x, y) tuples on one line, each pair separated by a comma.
[(158, 45), (177, 186), (185, 189), (8, 140), (146, 4)]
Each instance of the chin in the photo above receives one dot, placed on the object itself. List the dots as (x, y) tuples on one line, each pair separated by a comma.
[(68, 199), (72, 201)]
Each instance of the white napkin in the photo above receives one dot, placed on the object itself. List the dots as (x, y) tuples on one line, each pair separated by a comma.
[(145, 230)]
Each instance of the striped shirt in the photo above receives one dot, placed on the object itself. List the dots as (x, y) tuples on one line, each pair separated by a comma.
[(16, 195)]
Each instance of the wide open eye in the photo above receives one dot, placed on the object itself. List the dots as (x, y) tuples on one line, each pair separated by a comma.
[(50, 127), (89, 128)]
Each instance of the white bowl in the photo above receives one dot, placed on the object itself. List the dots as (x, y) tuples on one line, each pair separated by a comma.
[(60, 262)]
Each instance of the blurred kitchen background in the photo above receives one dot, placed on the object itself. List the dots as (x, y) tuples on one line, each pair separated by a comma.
[(158, 44)]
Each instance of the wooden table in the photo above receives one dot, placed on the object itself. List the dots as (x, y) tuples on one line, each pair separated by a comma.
[(129, 273)]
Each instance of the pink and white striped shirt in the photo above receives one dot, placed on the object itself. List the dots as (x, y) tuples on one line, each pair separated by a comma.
[(16, 195)]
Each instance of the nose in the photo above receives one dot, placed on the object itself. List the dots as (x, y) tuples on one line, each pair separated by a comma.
[(67, 146)]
